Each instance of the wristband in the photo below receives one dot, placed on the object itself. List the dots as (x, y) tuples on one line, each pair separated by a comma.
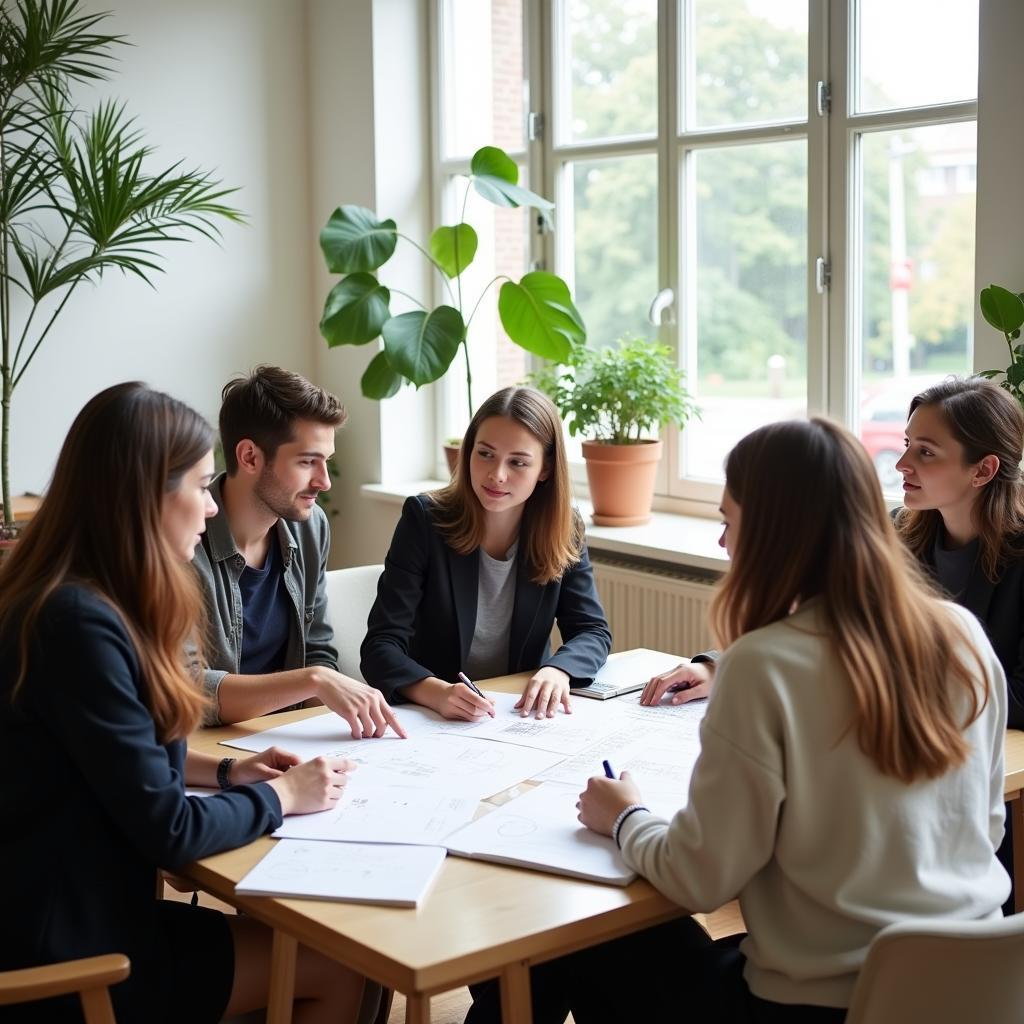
[(621, 820), (223, 770)]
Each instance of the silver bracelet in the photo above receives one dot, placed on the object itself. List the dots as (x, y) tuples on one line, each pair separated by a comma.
[(621, 819)]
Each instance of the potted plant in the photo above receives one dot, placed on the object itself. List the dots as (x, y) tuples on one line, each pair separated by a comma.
[(536, 312), (614, 396), (1004, 310), (76, 195)]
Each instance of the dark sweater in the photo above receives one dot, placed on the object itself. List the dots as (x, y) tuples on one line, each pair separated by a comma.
[(92, 803)]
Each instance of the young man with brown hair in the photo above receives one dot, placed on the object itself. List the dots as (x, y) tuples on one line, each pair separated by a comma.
[(263, 558)]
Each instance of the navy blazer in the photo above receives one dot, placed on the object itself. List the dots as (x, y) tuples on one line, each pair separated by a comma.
[(999, 607), (92, 803), (423, 619)]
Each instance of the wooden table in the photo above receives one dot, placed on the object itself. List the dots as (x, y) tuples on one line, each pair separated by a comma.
[(479, 921)]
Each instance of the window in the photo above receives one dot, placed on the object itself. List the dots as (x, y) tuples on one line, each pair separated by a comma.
[(805, 189)]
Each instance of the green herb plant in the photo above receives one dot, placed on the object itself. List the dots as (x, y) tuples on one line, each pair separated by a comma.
[(619, 393)]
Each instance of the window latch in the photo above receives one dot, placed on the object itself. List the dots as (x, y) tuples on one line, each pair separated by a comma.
[(822, 274), (823, 98), (534, 126)]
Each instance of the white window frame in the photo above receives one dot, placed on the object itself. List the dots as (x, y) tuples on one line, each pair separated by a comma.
[(833, 330)]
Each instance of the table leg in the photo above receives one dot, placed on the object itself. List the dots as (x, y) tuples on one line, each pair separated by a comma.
[(1017, 813), (282, 979), (515, 993), (417, 1009)]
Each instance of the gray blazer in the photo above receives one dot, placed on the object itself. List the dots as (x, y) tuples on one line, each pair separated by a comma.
[(304, 550)]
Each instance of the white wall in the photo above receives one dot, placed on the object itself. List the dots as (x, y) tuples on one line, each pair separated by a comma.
[(223, 86)]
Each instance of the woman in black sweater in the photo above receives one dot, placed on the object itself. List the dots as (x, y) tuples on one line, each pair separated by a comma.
[(96, 605), (963, 516)]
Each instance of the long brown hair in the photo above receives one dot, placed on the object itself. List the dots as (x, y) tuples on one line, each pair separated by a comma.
[(985, 420), (813, 524), (100, 526), (551, 534)]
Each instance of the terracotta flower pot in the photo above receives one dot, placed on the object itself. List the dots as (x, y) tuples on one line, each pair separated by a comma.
[(621, 478), (451, 453)]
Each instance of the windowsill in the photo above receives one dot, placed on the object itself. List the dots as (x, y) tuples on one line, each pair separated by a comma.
[(677, 539)]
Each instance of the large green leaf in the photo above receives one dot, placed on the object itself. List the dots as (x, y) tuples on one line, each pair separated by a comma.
[(538, 315), (421, 346), (353, 239), (1002, 308), (496, 178), (380, 381), (355, 311), (453, 248)]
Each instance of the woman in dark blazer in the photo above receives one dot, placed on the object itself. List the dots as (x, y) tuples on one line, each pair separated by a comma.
[(963, 516), (480, 571), (96, 604)]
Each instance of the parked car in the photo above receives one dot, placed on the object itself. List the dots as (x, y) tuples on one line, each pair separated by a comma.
[(883, 417)]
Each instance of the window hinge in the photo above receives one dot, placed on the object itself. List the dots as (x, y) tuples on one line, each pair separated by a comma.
[(823, 98), (534, 126), (822, 274)]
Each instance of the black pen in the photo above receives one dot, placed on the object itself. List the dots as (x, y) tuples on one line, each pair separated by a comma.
[(469, 682)]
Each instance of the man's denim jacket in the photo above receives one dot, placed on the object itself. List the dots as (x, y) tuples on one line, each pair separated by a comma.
[(304, 549)]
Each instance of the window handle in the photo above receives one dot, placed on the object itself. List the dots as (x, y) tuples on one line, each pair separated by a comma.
[(662, 308)]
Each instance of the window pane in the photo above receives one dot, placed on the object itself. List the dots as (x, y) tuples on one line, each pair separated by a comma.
[(609, 69), (615, 244), (503, 242), (482, 76), (750, 61), (746, 346), (916, 53), (916, 305)]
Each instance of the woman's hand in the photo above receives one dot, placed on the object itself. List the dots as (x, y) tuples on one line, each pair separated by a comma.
[(316, 785), (460, 703), (548, 688), (685, 682), (604, 800), (262, 767)]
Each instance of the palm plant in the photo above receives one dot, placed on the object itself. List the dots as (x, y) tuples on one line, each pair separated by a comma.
[(76, 195)]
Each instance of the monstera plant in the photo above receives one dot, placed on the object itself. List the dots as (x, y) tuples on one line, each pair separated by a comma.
[(536, 311), (1004, 310)]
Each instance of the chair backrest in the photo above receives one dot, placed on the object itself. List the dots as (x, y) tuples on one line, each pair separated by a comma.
[(945, 972), (90, 977), (350, 595)]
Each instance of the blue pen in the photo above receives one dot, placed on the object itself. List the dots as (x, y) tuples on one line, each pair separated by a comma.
[(608, 769)]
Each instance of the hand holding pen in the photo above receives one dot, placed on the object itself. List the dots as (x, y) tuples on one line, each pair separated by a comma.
[(474, 702)]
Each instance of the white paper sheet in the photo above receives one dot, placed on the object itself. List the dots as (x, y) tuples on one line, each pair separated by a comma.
[(352, 872), (539, 830), (383, 814)]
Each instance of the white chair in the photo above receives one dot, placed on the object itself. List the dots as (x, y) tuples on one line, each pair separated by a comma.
[(946, 972), (350, 595)]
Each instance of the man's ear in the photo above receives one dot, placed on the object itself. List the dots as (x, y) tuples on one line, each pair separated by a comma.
[(985, 470), (249, 455)]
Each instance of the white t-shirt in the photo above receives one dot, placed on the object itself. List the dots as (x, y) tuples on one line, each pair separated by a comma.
[(823, 849)]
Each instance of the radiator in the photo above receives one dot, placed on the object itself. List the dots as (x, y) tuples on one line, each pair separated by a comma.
[(656, 606)]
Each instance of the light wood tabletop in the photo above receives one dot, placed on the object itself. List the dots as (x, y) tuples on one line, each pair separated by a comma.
[(479, 920)]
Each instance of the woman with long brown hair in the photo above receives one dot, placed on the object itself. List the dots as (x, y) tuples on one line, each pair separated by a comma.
[(479, 572), (97, 604), (851, 767)]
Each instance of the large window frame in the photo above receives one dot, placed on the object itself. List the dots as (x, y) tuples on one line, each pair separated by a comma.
[(833, 131)]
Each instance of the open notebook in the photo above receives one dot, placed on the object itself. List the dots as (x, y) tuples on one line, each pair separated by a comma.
[(539, 830), (628, 672), (392, 876)]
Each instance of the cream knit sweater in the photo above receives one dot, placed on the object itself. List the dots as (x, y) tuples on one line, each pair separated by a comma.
[(823, 850)]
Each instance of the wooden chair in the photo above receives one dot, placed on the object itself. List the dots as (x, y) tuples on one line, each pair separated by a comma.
[(90, 978)]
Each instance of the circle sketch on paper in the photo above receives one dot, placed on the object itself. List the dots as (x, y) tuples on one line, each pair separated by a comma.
[(514, 827)]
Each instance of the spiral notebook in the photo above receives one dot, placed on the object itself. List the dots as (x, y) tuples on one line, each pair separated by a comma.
[(628, 672)]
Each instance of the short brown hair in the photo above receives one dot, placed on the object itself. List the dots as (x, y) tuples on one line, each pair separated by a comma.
[(264, 407)]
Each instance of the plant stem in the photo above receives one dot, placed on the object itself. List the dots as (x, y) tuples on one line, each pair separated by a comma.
[(412, 298), (437, 266), (469, 376), (5, 367), (465, 200), (46, 330), (482, 294)]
